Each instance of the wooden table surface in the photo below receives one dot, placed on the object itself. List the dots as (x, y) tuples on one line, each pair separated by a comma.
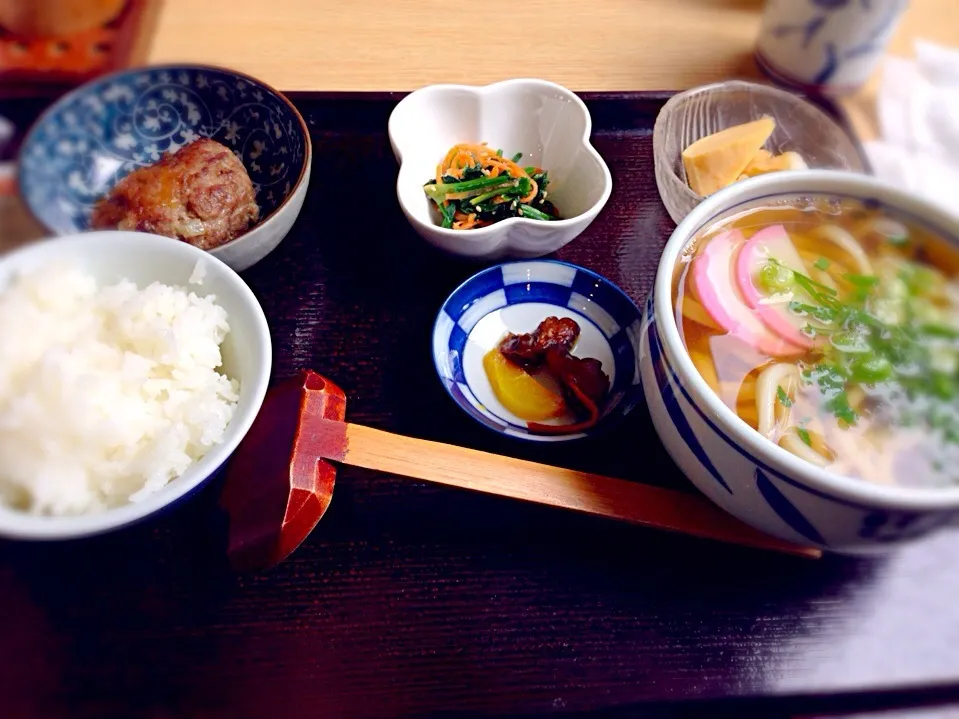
[(583, 44)]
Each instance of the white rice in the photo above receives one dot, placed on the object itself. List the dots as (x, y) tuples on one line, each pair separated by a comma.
[(106, 393)]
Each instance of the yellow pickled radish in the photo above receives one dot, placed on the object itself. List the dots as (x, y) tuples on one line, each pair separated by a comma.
[(519, 391), (764, 162)]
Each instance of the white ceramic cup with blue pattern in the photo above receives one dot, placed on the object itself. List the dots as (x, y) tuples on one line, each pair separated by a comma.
[(825, 46), (729, 461)]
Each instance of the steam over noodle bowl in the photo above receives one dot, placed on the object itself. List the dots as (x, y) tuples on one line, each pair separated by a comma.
[(832, 328)]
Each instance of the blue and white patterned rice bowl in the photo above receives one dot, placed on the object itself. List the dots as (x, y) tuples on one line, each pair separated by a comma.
[(95, 135), (730, 462), (516, 297)]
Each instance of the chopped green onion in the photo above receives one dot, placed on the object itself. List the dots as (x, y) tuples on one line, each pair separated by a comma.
[(839, 406), (815, 290), (871, 368), (804, 436), (942, 385), (861, 280), (783, 398), (813, 332), (823, 314), (821, 264), (818, 285), (919, 278), (850, 342), (832, 383), (517, 157), (775, 277), (940, 331)]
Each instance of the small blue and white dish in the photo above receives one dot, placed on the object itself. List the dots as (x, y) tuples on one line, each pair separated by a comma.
[(97, 134), (515, 297)]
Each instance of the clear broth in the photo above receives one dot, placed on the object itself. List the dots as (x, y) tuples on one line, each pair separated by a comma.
[(899, 434)]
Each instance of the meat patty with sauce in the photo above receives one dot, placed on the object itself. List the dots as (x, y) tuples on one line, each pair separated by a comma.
[(200, 194)]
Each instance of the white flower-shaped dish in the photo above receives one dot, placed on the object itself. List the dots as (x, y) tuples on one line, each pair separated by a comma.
[(549, 124)]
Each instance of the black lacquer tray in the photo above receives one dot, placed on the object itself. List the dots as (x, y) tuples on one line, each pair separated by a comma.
[(411, 599)]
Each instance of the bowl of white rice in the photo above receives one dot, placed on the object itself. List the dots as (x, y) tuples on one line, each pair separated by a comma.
[(131, 366)]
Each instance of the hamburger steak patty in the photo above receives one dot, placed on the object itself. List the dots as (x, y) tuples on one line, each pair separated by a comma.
[(200, 194)]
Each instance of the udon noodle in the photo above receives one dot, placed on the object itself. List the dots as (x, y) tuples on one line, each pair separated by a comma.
[(832, 329)]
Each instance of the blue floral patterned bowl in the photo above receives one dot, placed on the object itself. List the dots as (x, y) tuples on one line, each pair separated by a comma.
[(516, 297), (94, 136)]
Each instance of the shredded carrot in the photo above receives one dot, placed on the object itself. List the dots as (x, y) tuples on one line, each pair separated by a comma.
[(463, 159), (450, 155), (466, 224), (473, 156)]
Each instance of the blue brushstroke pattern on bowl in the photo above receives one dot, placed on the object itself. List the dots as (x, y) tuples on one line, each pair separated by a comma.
[(515, 297), (97, 134)]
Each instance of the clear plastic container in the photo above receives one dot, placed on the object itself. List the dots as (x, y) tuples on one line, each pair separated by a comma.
[(693, 114)]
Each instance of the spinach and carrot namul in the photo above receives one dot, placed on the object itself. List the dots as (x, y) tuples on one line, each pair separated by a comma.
[(476, 186)]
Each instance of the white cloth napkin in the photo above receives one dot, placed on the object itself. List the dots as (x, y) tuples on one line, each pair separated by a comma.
[(918, 107)]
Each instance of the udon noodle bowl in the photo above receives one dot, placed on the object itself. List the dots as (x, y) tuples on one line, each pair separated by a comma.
[(832, 328)]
